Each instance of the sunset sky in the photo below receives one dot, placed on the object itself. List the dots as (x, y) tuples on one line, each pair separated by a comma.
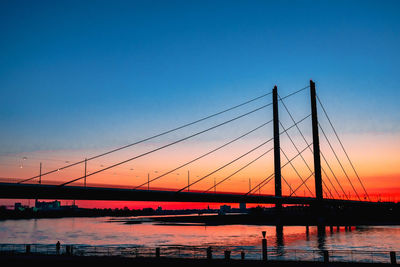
[(79, 78)]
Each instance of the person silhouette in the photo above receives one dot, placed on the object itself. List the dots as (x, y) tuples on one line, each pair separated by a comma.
[(58, 247)]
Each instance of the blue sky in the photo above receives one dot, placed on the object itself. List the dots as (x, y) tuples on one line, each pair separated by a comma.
[(93, 74)]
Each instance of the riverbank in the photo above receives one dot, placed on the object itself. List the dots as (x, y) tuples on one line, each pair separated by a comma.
[(62, 260), (31, 213)]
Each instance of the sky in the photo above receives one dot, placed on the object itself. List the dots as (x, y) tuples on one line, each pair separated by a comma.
[(78, 78)]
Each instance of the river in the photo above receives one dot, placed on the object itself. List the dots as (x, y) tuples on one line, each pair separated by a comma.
[(106, 231)]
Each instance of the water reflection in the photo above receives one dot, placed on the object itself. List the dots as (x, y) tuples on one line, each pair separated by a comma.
[(307, 233), (321, 237), (279, 239), (100, 231)]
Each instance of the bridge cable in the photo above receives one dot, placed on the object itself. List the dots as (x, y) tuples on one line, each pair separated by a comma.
[(305, 140), (307, 180), (291, 189), (170, 144), (234, 173), (344, 150), (309, 168), (262, 183), (311, 175), (151, 137), (337, 158), (155, 136), (327, 188), (204, 155), (295, 169), (225, 165), (236, 159)]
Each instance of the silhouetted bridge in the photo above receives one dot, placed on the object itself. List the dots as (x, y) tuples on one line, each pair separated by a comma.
[(25, 189)]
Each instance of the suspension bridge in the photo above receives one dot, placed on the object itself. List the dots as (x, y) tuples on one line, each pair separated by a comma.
[(327, 187)]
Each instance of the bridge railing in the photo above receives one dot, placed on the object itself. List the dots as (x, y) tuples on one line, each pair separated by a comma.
[(191, 252)]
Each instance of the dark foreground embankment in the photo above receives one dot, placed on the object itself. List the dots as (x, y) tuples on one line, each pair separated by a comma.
[(75, 261)]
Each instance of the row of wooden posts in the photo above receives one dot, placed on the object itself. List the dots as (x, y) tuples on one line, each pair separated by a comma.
[(227, 253)]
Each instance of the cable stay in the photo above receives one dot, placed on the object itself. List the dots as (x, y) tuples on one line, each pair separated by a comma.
[(337, 158), (305, 181), (151, 137), (334, 176), (327, 188), (344, 150), (204, 155), (311, 150), (291, 189), (155, 136), (294, 168), (239, 170), (227, 164), (263, 183), (170, 144), (262, 144)]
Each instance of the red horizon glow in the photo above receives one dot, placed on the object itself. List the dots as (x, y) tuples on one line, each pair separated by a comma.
[(377, 164)]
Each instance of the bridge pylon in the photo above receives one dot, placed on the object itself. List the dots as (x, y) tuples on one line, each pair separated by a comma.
[(316, 150), (277, 148)]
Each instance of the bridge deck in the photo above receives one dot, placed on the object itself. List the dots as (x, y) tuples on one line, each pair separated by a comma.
[(32, 191)]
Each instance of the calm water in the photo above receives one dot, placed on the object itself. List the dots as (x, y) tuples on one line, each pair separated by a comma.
[(112, 231)]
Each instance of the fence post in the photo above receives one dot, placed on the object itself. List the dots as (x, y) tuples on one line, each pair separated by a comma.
[(393, 257), (28, 249), (242, 255), (264, 247), (157, 252), (227, 255), (209, 253), (326, 256)]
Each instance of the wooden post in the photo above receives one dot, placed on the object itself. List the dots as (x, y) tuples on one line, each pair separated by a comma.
[(393, 257), (227, 254), (209, 253), (264, 247), (326, 256)]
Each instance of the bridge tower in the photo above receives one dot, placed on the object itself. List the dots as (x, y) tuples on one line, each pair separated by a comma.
[(316, 150), (277, 148)]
